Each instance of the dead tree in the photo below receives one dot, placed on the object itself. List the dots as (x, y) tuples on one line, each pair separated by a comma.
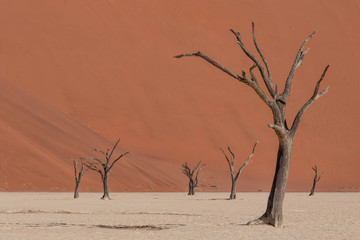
[(316, 180), (104, 167), (78, 176), (276, 101), (235, 176), (193, 181)]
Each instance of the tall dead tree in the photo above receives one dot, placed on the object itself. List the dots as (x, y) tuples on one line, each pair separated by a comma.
[(235, 176), (78, 176), (276, 101), (104, 167), (193, 180), (316, 180)]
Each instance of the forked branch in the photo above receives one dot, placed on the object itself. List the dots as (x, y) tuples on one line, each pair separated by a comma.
[(117, 159), (244, 79), (297, 62), (265, 76), (246, 162), (262, 56), (316, 95)]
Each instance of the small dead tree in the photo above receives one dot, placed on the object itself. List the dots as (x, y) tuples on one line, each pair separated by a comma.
[(235, 176), (316, 180), (193, 181), (104, 167), (78, 176), (276, 101)]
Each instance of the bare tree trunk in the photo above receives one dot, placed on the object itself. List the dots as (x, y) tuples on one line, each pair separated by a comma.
[(316, 180), (273, 214), (106, 195), (312, 190), (233, 189), (76, 191), (191, 187)]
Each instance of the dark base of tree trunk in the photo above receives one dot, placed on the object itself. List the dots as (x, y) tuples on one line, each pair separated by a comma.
[(233, 190), (105, 197), (313, 189), (76, 191), (268, 219), (191, 188)]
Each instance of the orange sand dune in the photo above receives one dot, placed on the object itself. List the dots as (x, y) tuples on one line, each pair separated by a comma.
[(39, 142), (108, 65)]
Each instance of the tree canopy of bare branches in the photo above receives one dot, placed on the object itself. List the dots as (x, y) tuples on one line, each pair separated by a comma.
[(276, 101), (193, 180), (104, 167), (235, 175)]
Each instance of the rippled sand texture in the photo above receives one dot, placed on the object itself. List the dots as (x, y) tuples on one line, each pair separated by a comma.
[(175, 216)]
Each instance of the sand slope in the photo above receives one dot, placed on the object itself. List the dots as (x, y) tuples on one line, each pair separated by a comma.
[(109, 66), (39, 143)]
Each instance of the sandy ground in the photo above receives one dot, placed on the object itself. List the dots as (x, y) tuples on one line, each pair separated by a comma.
[(175, 216)]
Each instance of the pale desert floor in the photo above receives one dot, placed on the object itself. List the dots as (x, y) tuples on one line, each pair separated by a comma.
[(175, 216)]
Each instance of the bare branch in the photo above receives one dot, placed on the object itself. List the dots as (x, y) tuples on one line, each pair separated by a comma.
[(100, 151), (87, 169), (255, 60), (267, 78), (197, 166), (316, 95), (232, 154), (206, 58), (228, 161), (197, 174), (298, 61), (246, 162), (95, 159), (112, 151), (253, 77), (93, 167), (117, 159), (278, 129), (186, 170), (318, 179), (243, 79)]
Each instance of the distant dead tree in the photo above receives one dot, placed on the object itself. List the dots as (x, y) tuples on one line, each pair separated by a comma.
[(316, 180), (235, 176), (104, 167), (276, 101), (193, 180), (78, 176)]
